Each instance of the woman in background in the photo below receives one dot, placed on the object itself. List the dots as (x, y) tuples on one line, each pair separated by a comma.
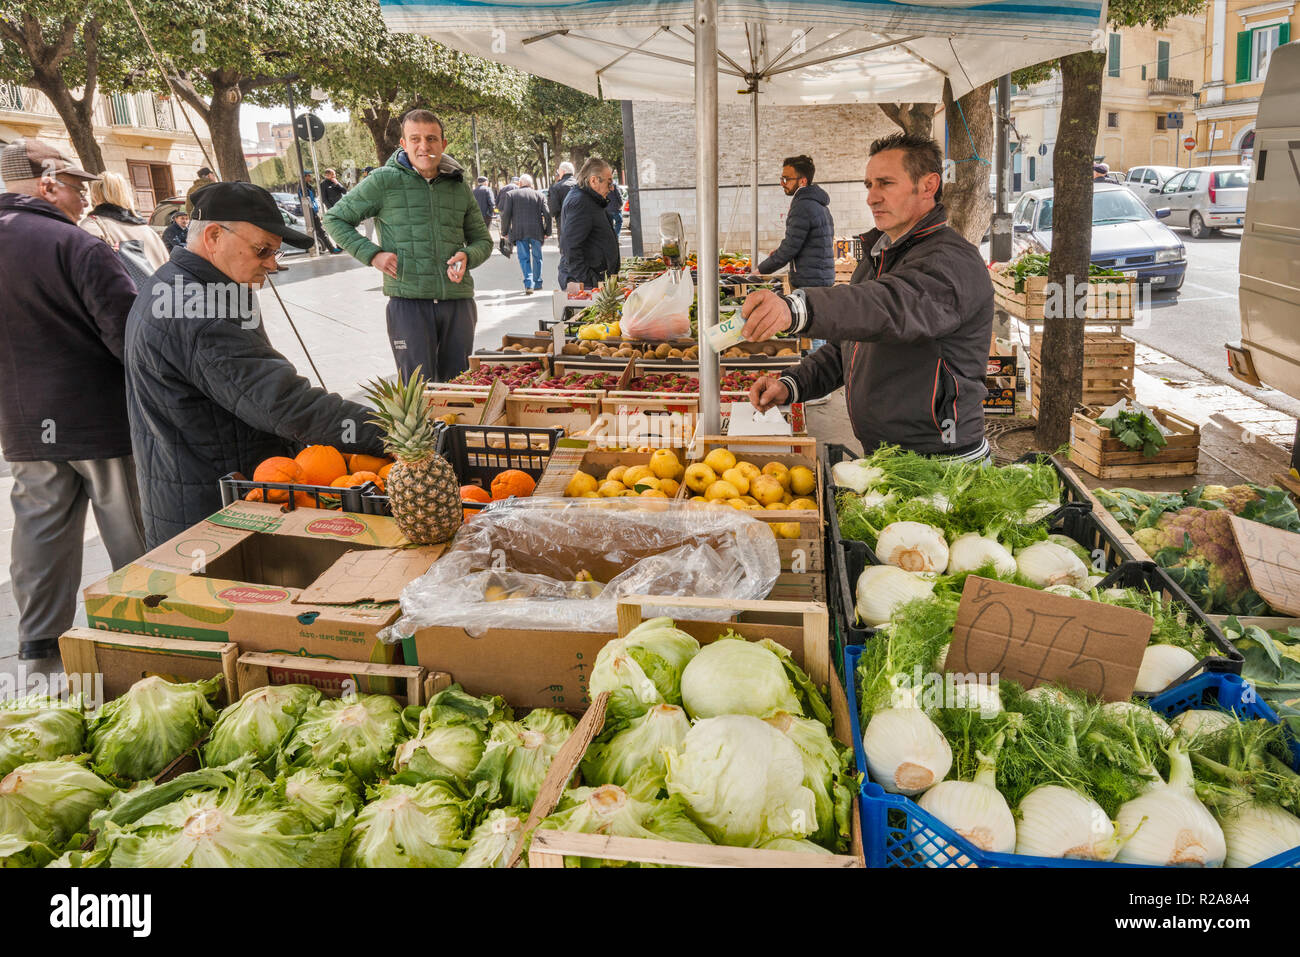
[(113, 216)]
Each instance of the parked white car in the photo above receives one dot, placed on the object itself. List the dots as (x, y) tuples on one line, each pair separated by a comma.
[(1141, 178)]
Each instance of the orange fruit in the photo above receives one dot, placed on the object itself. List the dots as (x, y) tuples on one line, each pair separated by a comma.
[(367, 463), (361, 478), (474, 493), (254, 496), (512, 482), (321, 464), (304, 500), (278, 469), (383, 473)]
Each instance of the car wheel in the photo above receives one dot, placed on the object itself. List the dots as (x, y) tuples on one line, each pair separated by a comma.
[(1197, 226)]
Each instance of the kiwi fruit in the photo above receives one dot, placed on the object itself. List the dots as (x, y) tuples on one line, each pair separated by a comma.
[(662, 350)]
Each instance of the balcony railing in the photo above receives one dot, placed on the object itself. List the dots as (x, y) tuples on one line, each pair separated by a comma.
[(1172, 86), (141, 110)]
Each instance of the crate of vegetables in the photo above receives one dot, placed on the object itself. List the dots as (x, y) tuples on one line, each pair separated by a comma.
[(1131, 444), (1080, 787), (632, 745), (1022, 289)]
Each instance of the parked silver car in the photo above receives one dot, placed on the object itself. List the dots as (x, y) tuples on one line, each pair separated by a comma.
[(1203, 199)]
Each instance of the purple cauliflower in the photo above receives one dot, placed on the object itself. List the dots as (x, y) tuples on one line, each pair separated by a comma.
[(1212, 547)]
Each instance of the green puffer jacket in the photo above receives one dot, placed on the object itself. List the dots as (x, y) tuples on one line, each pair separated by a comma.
[(424, 223)]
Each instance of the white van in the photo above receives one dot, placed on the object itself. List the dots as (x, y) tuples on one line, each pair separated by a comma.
[(1269, 353)]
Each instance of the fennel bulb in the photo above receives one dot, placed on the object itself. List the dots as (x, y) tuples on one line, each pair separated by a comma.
[(1047, 563), (1123, 710), (974, 809), (883, 588), (1040, 510), (856, 475), (1057, 821), (906, 752), (1167, 826), (973, 551), (1066, 591), (1202, 721), (913, 547), (1256, 832), (1162, 665)]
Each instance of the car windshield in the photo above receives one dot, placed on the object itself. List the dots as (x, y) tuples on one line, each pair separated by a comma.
[(1108, 206)]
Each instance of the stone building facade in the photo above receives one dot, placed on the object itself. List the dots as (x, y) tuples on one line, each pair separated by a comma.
[(836, 137)]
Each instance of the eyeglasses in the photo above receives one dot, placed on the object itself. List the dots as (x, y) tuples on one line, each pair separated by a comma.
[(789, 179), (260, 252), (79, 190)]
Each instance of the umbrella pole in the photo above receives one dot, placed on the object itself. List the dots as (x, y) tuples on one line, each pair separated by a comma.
[(706, 205), (753, 238)]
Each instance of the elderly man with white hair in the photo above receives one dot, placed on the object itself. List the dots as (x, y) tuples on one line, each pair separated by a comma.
[(525, 222)]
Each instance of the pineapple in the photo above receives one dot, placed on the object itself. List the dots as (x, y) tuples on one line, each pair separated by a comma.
[(422, 487), (607, 305)]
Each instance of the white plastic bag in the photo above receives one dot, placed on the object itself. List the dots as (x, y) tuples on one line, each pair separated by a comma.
[(661, 309)]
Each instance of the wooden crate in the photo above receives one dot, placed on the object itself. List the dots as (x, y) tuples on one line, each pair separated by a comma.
[(552, 409), (406, 683), (118, 660), (1094, 450), (1108, 364), (466, 402), (549, 848), (1112, 303)]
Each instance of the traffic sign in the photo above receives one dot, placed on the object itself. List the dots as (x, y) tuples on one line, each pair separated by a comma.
[(1189, 143), (1042, 149), (309, 127), (1174, 121)]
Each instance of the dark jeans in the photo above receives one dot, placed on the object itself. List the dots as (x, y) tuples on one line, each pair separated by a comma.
[(436, 335), (323, 241)]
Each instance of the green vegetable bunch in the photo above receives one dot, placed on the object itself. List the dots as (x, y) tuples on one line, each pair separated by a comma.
[(1136, 431)]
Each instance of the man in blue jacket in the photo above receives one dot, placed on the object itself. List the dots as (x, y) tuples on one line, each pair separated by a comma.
[(808, 247)]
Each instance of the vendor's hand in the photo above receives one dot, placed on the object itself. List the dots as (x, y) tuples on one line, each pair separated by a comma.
[(766, 315), (767, 392), (386, 263), (456, 266)]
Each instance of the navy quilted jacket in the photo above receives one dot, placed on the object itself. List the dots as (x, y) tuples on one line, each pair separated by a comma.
[(809, 244)]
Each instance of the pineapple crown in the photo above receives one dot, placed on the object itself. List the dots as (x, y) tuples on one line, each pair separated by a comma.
[(401, 412)]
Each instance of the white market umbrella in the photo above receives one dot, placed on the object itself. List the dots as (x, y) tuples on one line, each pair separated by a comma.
[(792, 52)]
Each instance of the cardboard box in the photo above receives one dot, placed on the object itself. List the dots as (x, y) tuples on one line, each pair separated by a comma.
[(552, 409), (551, 669), (106, 664), (807, 637), (302, 582)]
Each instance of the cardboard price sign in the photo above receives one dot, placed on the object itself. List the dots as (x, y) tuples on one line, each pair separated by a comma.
[(1032, 638), (1272, 558)]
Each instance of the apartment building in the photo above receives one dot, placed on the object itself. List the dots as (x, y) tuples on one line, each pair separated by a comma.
[(144, 137), (1241, 36), (1148, 87)]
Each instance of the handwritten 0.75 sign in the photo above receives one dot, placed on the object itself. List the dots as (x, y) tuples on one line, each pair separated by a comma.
[(1033, 638)]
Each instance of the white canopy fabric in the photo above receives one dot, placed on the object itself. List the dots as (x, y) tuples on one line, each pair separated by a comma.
[(799, 53)]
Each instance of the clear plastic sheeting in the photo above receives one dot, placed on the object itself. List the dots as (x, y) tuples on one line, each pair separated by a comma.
[(563, 565)]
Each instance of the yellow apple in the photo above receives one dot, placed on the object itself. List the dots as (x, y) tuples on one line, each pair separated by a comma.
[(802, 480), (738, 479), (767, 489), (749, 470), (609, 489), (664, 464), (720, 460), (580, 485), (669, 486), (616, 473), (699, 477), (786, 529), (635, 474), (804, 503), (721, 490)]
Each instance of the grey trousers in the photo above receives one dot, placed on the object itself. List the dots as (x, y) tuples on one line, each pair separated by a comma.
[(49, 501), (436, 335)]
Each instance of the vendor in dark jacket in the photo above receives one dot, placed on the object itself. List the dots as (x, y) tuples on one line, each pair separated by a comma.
[(588, 246), (206, 392), (908, 338), (809, 244), (62, 390), (174, 234)]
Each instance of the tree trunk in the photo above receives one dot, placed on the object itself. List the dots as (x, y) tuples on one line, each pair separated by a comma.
[(223, 124), (78, 118), (914, 118), (966, 198), (1076, 139), (376, 120)]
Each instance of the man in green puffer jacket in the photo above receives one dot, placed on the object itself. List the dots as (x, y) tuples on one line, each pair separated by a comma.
[(431, 234)]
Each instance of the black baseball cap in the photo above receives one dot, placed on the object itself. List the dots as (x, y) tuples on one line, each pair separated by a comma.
[(245, 203)]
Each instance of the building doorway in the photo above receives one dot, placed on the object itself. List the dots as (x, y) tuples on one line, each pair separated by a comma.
[(152, 183)]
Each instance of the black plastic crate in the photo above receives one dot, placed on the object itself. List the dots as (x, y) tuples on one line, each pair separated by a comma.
[(851, 558), (478, 452), (234, 487), (1151, 576)]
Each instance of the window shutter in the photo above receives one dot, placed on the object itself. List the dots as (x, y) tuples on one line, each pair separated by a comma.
[(1162, 60), (1112, 60), (1284, 34), (1243, 56)]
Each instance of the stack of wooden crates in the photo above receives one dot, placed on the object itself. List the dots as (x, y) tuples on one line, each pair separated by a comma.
[(1108, 361)]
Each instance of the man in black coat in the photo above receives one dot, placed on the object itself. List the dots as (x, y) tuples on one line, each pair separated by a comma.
[(331, 190), (62, 390), (483, 196), (555, 196), (206, 392), (588, 246), (809, 243), (174, 234), (526, 222)]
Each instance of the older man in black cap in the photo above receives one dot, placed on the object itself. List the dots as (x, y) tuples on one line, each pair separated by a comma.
[(206, 392), (64, 298)]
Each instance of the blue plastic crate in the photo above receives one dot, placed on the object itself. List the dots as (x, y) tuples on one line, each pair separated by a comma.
[(896, 832)]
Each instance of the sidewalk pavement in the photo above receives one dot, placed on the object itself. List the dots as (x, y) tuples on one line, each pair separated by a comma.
[(338, 307)]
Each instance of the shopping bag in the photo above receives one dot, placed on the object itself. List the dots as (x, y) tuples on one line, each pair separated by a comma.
[(660, 309)]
